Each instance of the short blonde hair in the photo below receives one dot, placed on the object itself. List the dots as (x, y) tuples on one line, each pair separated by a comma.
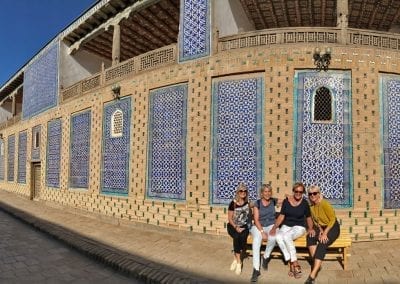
[(265, 187), (314, 187)]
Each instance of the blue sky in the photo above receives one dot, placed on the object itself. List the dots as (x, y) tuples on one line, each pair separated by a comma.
[(26, 26)]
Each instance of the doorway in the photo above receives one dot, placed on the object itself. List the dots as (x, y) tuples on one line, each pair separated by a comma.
[(36, 181)]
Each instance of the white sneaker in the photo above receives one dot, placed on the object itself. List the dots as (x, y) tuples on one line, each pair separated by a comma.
[(238, 269), (233, 265)]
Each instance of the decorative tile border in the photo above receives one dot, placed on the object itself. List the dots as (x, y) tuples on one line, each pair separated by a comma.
[(79, 150), (237, 135), (323, 151), (54, 135), (22, 148), (2, 159), (11, 157), (194, 35), (41, 83), (390, 138), (167, 142), (115, 152)]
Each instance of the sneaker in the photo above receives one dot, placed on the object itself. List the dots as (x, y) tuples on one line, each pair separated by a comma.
[(265, 262), (254, 276), (233, 265), (309, 280), (238, 269)]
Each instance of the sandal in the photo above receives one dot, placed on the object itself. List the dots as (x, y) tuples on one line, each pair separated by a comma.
[(291, 270), (297, 271)]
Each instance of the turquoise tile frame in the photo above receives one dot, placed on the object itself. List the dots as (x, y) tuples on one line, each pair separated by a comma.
[(323, 151), (389, 93), (116, 150), (237, 139), (194, 29), (166, 175)]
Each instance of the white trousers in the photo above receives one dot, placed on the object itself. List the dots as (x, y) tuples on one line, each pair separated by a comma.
[(257, 240), (285, 238)]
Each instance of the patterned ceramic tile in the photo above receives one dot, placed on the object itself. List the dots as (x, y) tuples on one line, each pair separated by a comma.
[(323, 151), (2, 159), (41, 83), (194, 36), (11, 157), (80, 150), (54, 134), (167, 143), (390, 106), (115, 157), (237, 136), (22, 148)]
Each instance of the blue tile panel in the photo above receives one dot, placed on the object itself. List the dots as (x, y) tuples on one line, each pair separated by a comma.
[(54, 132), (22, 148), (237, 136), (323, 151), (36, 130), (2, 159), (390, 107), (11, 157), (167, 143), (41, 83), (194, 36), (115, 155), (80, 150)]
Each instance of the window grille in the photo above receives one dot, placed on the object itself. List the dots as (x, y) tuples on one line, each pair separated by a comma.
[(117, 123), (323, 105)]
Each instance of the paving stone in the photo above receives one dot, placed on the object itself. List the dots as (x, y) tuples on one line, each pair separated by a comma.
[(159, 255)]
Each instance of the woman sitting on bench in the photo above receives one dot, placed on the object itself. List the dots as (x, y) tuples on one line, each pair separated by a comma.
[(294, 217), (326, 227)]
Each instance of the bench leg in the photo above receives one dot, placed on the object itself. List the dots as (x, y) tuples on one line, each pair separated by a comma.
[(345, 258)]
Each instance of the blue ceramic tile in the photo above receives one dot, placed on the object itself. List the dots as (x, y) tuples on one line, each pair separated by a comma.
[(167, 143), (41, 83), (237, 137), (80, 150), (22, 147)]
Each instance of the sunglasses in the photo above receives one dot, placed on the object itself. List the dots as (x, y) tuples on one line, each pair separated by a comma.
[(298, 191), (243, 191), (312, 193)]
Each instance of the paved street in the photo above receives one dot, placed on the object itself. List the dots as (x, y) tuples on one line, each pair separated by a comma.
[(152, 254), (30, 256)]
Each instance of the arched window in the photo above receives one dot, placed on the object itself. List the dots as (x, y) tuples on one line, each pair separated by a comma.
[(117, 123), (322, 105)]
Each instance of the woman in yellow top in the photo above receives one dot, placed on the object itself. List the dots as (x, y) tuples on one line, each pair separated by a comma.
[(326, 230)]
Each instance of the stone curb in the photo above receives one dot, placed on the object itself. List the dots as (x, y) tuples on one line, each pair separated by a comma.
[(135, 267)]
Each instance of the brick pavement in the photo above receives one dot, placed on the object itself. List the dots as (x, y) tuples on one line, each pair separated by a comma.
[(29, 256), (160, 255)]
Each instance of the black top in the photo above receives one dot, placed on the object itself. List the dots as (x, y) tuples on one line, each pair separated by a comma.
[(295, 215), (241, 213)]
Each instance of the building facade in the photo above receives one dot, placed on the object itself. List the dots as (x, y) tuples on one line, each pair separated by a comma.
[(153, 111)]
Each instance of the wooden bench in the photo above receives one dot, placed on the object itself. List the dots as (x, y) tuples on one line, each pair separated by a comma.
[(339, 250)]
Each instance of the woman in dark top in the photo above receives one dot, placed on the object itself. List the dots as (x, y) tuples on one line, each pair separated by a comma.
[(238, 216), (295, 215)]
